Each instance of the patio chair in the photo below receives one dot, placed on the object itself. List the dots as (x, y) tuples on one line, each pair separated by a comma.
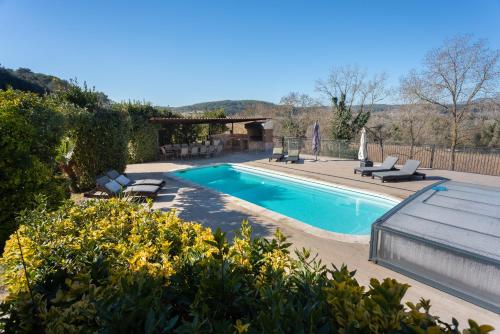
[(194, 151), (278, 154), (177, 150), (163, 153), (387, 165), (292, 156), (210, 150), (125, 181), (184, 153), (219, 149), (114, 189), (203, 151), (166, 152), (407, 172)]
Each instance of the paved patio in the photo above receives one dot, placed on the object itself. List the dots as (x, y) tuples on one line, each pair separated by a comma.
[(214, 210)]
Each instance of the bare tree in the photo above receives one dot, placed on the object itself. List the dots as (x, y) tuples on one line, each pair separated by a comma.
[(293, 104), (413, 119), (454, 75), (348, 87), (352, 82), (379, 132), (297, 100)]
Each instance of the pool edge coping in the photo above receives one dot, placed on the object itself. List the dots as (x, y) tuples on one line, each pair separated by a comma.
[(323, 183), (281, 218)]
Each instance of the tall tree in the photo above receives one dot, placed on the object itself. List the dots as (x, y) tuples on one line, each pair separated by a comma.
[(292, 104), (213, 129), (412, 118), (347, 87), (454, 75)]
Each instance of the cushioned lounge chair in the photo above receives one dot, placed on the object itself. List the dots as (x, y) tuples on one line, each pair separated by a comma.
[(114, 189), (125, 181), (407, 172), (387, 165), (292, 156), (277, 154)]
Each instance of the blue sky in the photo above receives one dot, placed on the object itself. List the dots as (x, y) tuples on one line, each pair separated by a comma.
[(182, 52)]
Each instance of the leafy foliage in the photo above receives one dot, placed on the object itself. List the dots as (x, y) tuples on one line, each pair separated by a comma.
[(31, 128), (206, 130), (180, 134), (292, 128), (345, 125), (143, 136), (101, 139), (113, 266), (99, 133), (490, 135), (24, 79), (84, 97)]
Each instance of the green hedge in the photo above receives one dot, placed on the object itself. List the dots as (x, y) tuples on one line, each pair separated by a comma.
[(143, 144), (116, 267), (30, 131), (143, 136), (99, 134), (101, 138)]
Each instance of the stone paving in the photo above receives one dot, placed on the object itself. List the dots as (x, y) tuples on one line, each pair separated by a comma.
[(214, 210)]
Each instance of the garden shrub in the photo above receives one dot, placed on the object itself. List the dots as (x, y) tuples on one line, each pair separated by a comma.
[(205, 130), (83, 96), (98, 132), (101, 138), (118, 267), (143, 136), (31, 127), (143, 144), (180, 134)]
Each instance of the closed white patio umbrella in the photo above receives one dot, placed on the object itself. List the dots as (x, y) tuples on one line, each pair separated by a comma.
[(316, 144), (363, 146)]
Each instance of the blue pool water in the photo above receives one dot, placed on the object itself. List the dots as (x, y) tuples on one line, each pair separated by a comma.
[(328, 208)]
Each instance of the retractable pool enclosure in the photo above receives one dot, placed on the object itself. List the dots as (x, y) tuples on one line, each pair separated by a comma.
[(448, 236)]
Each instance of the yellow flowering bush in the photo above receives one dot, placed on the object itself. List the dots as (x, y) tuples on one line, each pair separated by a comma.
[(119, 267)]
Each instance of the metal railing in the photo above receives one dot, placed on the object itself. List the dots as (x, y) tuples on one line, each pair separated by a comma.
[(341, 149), (480, 160)]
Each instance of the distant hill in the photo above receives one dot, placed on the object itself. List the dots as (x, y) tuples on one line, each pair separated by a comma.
[(230, 107), (26, 80)]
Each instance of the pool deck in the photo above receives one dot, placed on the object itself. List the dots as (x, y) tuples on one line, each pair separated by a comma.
[(214, 210)]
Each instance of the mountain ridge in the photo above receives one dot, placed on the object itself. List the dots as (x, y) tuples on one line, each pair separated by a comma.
[(230, 107), (40, 83)]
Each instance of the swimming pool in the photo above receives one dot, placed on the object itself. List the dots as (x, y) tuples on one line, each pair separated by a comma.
[(325, 207)]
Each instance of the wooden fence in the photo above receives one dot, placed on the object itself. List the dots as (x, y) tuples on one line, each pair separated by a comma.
[(467, 159)]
